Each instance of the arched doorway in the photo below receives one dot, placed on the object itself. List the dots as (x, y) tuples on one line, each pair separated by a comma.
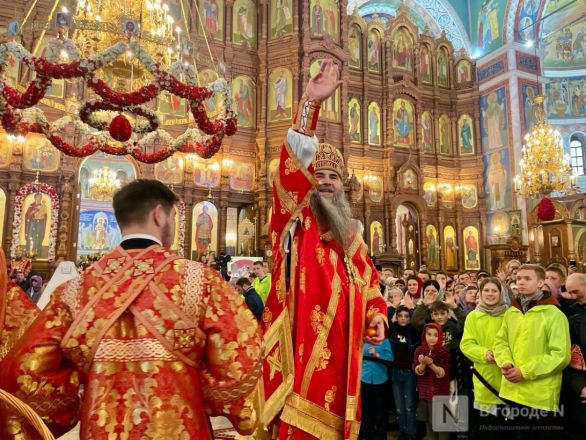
[(98, 231), (407, 229)]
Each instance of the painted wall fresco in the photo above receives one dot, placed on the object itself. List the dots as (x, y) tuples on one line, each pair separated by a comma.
[(375, 187), (40, 154), (466, 135), (450, 251), (374, 51), (98, 230), (325, 18), (214, 104), (429, 194), (425, 64), (281, 18), (204, 237), (402, 50), (443, 67), (244, 95), (213, 18), (564, 35), (170, 171), (206, 172), (497, 180), (242, 176), (469, 196), (463, 72), (445, 133), (527, 92), (355, 47), (493, 119), (244, 23), (377, 238), (35, 225), (488, 16), (404, 123), (528, 10), (354, 121), (499, 227), (374, 124), (427, 132), (471, 248), (432, 247), (409, 180), (566, 98), (280, 95)]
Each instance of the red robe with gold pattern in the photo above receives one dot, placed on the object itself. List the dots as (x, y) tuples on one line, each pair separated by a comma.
[(315, 322), (17, 311), (155, 339)]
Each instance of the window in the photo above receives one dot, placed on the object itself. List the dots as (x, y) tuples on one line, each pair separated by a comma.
[(577, 155)]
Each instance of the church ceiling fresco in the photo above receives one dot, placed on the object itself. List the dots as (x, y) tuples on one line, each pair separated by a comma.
[(437, 15)]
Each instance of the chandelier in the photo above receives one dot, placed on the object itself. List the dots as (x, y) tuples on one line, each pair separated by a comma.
[(544, 168), (100, 24), (124, 55), (103, 184)]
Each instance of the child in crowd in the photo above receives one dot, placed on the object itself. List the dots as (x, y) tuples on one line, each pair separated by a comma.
[(532, 348), (394, 296), (432, 367), (404, 340), (482, 325), (374, 401)]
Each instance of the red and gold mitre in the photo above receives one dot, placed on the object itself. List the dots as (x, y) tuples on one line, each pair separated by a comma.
[(329, 157)]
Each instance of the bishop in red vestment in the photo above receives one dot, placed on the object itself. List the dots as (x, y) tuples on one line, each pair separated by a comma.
[(325, 291), (158, 342)]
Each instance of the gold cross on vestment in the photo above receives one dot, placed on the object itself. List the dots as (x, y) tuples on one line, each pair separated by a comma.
[(353, 271)]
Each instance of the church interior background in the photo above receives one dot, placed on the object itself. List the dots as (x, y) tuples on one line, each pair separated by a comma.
[(437, 97)]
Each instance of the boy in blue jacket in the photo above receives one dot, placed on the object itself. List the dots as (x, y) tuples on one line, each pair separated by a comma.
[(374, 401)]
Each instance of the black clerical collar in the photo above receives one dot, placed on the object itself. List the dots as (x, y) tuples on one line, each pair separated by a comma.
[(137, 243)]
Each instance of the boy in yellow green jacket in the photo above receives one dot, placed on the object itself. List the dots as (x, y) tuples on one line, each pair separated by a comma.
[(532, 348)]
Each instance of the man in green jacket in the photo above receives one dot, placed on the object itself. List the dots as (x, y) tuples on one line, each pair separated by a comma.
[(532, 348), (262, 282)]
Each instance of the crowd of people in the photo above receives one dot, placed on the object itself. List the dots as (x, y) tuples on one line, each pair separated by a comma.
[(20, 271), (512, 344)]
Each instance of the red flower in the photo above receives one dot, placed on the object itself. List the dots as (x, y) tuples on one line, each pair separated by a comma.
[(546, 210), (120, 128)]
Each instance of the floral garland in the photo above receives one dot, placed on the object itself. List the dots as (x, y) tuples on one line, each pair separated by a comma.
[(21, 195), (181, 238), (191, 141), (16, 121)]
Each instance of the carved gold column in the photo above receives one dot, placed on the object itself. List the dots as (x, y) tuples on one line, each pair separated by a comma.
[(64, 231), (570, 236)]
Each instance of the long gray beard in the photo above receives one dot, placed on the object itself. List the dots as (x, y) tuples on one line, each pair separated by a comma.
[(335, 214)]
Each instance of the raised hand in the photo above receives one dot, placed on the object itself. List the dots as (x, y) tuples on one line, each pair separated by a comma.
[(325, 82), (408, 301)]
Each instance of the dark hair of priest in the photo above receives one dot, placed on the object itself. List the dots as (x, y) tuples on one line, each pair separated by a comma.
[(133, 202)]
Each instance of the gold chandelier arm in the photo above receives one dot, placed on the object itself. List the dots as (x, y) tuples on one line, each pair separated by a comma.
[(40, 40), (205, 36)]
